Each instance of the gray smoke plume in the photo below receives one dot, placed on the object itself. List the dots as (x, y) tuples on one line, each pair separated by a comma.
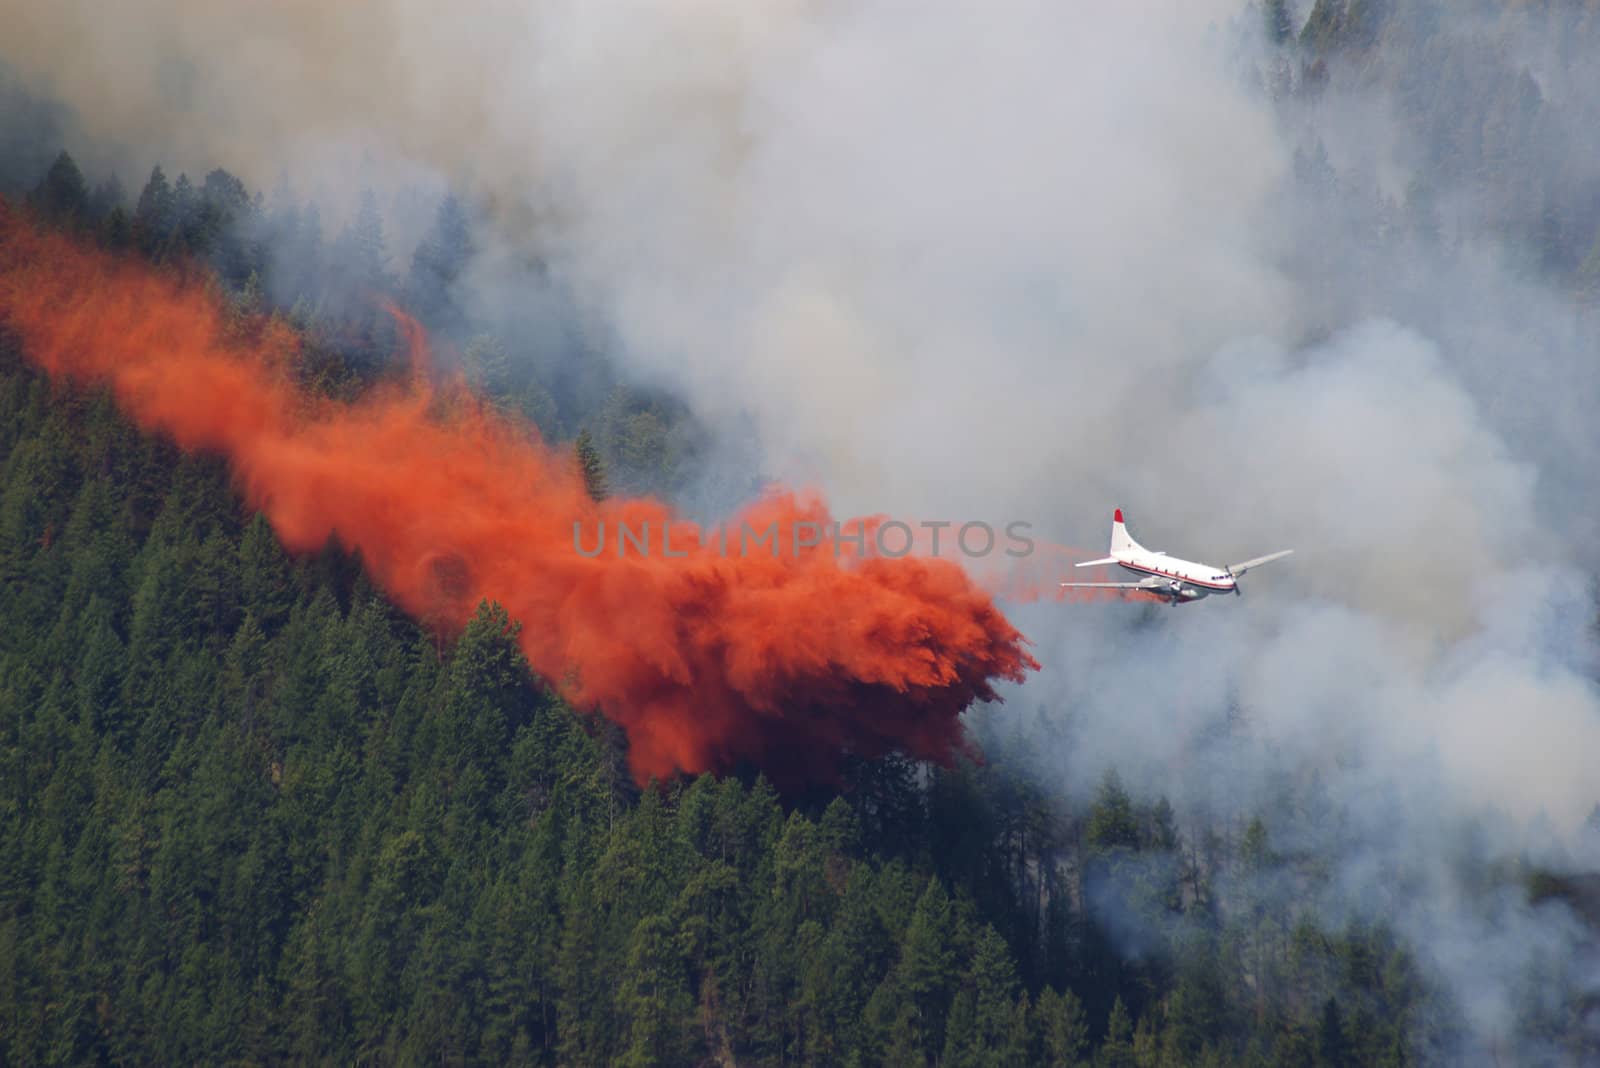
[(1036, 260)]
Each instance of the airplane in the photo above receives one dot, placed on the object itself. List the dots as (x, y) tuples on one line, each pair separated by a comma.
[(1174, 581)]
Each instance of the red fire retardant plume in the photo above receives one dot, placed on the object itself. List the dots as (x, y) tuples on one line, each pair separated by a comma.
[(706, 661)]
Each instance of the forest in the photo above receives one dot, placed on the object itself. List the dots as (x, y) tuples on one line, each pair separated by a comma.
[(253, 813)]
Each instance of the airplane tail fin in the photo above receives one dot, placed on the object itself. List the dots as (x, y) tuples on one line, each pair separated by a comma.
[(1121, 540)]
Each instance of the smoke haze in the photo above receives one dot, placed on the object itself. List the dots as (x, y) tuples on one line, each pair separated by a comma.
[(1037, 259)]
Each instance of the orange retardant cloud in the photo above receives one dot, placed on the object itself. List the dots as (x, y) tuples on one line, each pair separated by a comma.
[(707, 661)]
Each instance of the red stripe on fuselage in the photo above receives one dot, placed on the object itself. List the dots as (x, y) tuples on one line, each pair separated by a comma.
[(1142, 569)]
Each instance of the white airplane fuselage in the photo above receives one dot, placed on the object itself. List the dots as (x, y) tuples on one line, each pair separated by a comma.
[(1182, 580)]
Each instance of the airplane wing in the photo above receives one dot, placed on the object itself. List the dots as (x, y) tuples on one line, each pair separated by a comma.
[(1146, 584), (1110, 560), (1239, 569)]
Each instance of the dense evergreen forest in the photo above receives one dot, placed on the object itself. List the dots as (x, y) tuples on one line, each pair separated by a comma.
[(251, 813)]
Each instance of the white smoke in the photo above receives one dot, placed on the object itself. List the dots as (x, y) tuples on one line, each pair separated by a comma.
[(1030, 259)]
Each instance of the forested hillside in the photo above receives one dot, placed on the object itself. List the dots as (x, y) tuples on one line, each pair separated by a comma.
[(251, 813)]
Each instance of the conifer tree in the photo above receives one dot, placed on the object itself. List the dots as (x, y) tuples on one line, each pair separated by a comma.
[(153, 215), (592, 467), (1117, 1050), (1064, 1028), (437, 263), (62, 195)]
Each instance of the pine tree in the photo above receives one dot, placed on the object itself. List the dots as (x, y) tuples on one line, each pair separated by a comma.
[(361, 249), (487, 365), (1064, 1027), (591, 467), (62, 196), (153, 216), (1330, 1037), (293, 254), (437, 263), (266, 585), (964, 1046), (226, 215), (993, 981), (185, 217), (927, 962), (1117, 1050), (1112, 825), (116, 232)]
